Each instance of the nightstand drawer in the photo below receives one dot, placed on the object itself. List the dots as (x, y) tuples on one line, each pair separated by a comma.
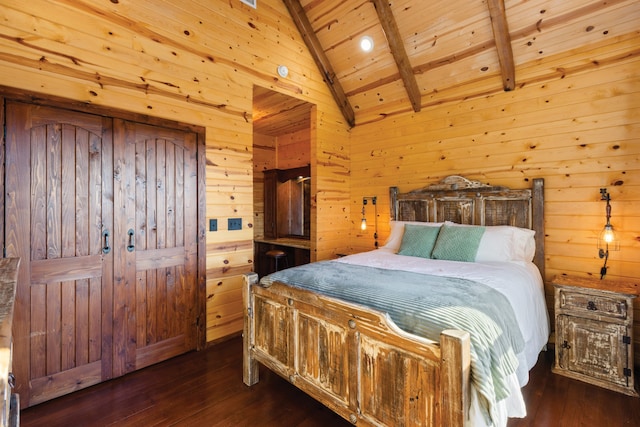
[(591, 304)]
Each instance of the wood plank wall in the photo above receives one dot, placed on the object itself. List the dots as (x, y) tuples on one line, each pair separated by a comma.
[(264, 158), (579, 131), (196, 62)]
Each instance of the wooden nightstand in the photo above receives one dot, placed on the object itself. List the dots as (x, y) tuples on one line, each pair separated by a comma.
[(594, 332)]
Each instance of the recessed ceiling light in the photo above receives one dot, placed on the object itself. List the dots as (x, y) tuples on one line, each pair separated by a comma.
[(366, 44)]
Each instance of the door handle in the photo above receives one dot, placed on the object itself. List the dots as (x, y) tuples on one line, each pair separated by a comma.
[(106, 248), (131, 246)]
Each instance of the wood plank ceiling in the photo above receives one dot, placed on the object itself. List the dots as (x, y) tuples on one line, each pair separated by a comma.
[(429, 52), (277, 114)]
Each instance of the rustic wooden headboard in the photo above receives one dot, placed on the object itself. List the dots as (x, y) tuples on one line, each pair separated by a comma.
[(460, 200)]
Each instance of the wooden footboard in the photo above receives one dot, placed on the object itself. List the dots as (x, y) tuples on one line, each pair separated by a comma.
[(354, 360)]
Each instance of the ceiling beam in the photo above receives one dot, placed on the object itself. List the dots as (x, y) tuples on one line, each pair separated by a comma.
[(311, 40), (398, 51), (503, 43)]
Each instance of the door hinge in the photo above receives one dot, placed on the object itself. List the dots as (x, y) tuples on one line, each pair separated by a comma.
[(626, 339), (249, 312), (626, 372)]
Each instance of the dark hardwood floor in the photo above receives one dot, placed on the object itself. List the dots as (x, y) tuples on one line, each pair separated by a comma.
[(205, 389)]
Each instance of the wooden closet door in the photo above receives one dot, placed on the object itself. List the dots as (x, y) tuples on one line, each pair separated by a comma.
[(155, 193), (59, 222)]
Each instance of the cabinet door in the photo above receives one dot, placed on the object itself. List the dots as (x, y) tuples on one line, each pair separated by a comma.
[(291, 208), (592, 348), (59, 222)]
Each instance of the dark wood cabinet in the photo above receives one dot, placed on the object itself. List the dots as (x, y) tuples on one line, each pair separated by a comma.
[(286, 218), (287, 203)]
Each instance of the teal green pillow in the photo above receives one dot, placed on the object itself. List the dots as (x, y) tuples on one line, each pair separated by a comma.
[(457, 243), (418, 240)]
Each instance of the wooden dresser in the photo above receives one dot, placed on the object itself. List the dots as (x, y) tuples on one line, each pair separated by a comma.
[(594, 332), (10, 402)]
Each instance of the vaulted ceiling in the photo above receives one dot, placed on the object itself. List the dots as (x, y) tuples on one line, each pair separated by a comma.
[(431, 52)]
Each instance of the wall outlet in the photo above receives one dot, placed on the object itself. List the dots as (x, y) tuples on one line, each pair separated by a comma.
[(213, 225), (234, 223)]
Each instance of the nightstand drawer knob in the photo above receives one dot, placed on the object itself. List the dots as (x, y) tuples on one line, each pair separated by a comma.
[(565, 345), (591, 306)]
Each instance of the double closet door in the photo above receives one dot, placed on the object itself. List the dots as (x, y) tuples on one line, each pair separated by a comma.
[(103, 214)]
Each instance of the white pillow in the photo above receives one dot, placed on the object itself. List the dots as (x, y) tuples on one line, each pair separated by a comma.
[(525, 243), (505, 243), (394, 240)]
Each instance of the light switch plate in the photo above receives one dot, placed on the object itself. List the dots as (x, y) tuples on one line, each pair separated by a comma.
[(234, 223)]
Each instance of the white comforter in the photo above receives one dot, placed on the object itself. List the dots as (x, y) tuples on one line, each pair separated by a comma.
[(520, 282)]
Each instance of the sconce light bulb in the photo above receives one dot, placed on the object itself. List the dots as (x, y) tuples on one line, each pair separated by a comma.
[(363, 224), (608, 236)]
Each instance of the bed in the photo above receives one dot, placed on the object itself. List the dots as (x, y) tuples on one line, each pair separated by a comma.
[(386, 358)]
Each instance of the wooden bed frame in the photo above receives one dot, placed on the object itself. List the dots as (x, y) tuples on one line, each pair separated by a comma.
[(356, 361)]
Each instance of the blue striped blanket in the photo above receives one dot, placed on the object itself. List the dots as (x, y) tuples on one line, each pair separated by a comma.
[(425, 305)]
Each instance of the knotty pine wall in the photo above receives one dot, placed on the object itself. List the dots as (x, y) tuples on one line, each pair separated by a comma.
[(579, 131), (196, 62), (293, 149), (264, 158)]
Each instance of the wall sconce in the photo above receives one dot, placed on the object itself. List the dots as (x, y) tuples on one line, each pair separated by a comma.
[(363, 223), (608, 240)]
